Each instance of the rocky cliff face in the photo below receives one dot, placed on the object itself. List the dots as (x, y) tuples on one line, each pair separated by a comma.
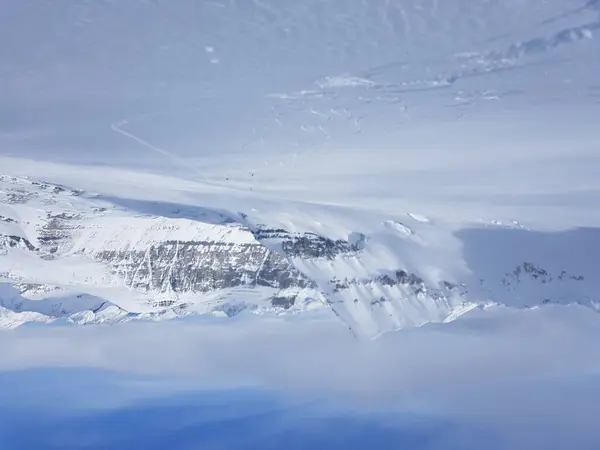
[(201, 266), (307, 245)]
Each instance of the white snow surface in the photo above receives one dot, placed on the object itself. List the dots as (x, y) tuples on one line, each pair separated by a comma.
[(460, 138)]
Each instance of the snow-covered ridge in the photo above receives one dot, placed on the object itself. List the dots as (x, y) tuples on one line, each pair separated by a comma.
[(68, 254)]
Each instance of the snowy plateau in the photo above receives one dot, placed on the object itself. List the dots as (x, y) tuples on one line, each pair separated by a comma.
[(387, 163)]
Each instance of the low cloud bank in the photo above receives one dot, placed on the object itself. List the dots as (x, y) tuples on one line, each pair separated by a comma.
[(527, 378)]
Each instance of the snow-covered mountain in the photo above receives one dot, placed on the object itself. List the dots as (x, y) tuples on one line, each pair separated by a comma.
[(392, 163), (70, 254)]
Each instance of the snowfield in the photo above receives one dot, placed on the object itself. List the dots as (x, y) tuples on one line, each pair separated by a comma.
[(388, 163), (338, 223)]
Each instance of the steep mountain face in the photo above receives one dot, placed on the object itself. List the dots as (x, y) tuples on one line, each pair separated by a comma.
[(178, 255), (164, 258), (68, 254)]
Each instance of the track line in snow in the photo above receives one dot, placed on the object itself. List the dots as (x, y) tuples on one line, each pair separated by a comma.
[(118, 128)]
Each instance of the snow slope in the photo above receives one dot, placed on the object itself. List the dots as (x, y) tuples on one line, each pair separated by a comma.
[(398, 162)]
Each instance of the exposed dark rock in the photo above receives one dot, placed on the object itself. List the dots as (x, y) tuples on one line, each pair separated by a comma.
[(379, 301), (270, 233), (386, 280), (164, 303), (530, 271), (203, 267), (313, 246), (16, 196), (408, 279), (534, 271), (449, 286), (400, 278), (309, 245), (57, 228), (16, 241), (285, 302)]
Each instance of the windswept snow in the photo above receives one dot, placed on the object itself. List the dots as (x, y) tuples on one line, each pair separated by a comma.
[(281, 182), (443, 155)]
